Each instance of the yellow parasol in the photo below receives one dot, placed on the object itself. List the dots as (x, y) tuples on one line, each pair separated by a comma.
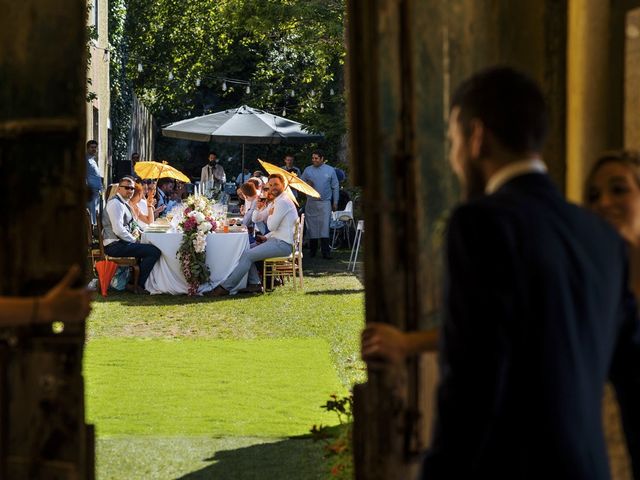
[(159, 170), (290, 179)]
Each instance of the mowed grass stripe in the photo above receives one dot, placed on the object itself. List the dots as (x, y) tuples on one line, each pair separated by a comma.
[(261, 388)]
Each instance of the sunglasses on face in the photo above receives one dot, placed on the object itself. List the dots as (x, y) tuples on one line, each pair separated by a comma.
[(127, 187)]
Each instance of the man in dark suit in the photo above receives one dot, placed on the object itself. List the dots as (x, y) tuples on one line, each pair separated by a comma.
[(537, 313)]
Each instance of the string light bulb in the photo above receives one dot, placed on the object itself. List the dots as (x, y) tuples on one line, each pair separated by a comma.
[(271, 92), (293, 93), (197, 82), (248, 89), (321, 104), (284, 112), (313, 93), (139, 67), (331, 92), (170, 75), (224, 86)]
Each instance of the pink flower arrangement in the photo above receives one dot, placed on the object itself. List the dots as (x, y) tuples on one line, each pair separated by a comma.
[(197, 222)]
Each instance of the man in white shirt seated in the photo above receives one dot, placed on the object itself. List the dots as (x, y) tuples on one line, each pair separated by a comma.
[(277, 243), (120, 237)]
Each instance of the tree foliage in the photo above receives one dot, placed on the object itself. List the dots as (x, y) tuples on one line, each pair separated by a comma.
[(290, 51), (121, 95)]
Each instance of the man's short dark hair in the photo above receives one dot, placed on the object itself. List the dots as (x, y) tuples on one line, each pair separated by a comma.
[(318, 152), (92, 142), (508, 103), (289, 155), (135, 154), (249, 189), (278, 176), (212, 153), (165, 181)]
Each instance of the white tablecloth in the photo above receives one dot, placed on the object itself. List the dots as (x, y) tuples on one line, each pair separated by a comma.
[(222, 255)]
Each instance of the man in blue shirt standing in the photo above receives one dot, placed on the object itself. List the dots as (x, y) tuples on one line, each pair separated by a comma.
[(317, 211), (94, 179), (243, 177)]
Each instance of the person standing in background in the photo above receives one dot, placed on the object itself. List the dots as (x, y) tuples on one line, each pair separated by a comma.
[(243, 177), (317, 211), (289, 166), (95, 181), (212, 174)]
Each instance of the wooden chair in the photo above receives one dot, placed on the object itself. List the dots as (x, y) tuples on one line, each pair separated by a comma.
[(297, 253), (290, 266), (120, 261), (93, 245)]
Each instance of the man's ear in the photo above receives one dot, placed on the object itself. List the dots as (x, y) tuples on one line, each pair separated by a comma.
[(477, 140)]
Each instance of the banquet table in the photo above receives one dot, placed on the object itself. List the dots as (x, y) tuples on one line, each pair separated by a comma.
[(223, 252)]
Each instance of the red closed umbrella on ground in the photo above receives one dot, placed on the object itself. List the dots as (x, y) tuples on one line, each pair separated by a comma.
[(106, 270)]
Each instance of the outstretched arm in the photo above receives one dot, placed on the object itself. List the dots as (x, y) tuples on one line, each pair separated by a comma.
[(61, 303), (381, 341)]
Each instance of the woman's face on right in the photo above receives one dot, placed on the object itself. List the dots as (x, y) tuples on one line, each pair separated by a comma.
[(614, 194)]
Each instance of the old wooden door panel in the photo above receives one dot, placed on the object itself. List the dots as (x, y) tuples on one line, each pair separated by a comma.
[(42, 93)]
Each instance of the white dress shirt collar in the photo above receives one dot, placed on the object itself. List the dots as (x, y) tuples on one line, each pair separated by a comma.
[(512, 170)]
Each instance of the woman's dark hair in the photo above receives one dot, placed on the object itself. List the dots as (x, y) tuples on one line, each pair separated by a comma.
[(508, 103), (318, 152), (165, 181), (628, 158)]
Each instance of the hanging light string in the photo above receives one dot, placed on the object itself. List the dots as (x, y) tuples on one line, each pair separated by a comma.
[(286, 108), (226, 81)]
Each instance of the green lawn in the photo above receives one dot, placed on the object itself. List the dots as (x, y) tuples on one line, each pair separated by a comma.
[(259, 388), (184, 387)]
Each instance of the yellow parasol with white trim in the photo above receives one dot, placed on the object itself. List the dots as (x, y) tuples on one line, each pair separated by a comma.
[(291, 180), (159, 170)]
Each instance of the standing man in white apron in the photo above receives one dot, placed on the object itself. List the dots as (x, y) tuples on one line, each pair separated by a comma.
[(317, 211), (212, 175)]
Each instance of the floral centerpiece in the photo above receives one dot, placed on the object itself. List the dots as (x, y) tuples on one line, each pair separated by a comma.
[(197, 221)]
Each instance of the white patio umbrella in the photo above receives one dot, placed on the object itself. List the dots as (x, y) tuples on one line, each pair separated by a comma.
[(241, 125)]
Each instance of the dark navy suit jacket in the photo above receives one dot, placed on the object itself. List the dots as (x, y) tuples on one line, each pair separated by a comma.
[(537, 318)]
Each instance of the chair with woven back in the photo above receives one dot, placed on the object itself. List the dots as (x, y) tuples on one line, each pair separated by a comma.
[(290, 266), (120, 261)]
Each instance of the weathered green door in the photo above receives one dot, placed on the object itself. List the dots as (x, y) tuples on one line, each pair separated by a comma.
[(42, 120), (404, 59)]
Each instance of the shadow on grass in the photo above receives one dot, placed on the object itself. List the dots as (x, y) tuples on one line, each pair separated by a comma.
[(313, 268), (293, 458), (127, 298), (335, 292)]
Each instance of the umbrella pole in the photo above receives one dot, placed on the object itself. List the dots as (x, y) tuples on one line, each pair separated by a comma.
[(242, 168)]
